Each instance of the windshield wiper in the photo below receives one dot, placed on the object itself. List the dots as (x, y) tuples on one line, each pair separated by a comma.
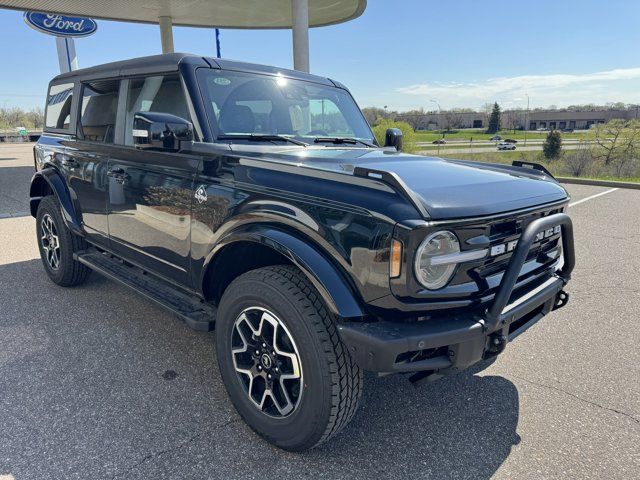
[(258, 137), (339, 140)]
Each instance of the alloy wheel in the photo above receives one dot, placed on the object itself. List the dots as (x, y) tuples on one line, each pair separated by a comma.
[(50, 241), (267, 362)]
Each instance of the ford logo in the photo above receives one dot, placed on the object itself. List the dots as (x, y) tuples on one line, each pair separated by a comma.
[(60, 25)]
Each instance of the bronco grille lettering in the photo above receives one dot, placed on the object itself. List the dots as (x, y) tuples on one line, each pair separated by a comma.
[(511, 246)]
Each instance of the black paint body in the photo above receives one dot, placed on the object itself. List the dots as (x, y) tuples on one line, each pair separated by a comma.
[(303, 205)]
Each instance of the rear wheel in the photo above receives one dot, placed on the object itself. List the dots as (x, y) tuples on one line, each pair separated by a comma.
[(282, 361), (57, 244)]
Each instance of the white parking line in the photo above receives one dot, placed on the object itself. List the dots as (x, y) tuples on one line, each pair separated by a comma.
[(573, 204)]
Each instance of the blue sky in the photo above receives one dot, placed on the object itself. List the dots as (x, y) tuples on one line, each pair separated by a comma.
[(400, 53)]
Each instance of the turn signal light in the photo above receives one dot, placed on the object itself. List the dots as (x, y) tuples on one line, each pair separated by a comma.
[(396, 258)]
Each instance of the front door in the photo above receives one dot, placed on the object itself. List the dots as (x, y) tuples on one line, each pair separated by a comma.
[(151, 192), (150, 195)]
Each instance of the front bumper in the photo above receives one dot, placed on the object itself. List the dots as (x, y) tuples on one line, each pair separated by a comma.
[(458, 341)]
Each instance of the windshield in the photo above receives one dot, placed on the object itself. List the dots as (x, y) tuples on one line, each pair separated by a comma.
[(242, 104)]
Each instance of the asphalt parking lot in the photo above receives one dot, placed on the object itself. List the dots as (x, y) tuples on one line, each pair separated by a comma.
[(87, 389)]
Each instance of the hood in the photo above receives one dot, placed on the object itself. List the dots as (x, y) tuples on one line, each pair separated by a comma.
[(447, 188)]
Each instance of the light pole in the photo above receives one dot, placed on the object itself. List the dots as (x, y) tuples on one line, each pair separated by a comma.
[(439, 117), (526, 120), (439, 109), (218, 55)]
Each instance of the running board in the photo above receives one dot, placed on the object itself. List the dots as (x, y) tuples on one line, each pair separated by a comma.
[(196, 313)]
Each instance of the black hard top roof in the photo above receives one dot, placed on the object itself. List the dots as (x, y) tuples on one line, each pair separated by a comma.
[(170, 62)]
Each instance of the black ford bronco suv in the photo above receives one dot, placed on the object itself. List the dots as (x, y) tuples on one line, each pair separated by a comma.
[(257, 199)]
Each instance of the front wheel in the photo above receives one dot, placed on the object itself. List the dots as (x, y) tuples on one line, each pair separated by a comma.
[(282, 361)]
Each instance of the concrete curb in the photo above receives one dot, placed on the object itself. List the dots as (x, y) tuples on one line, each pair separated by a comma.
[(599, 183), (15, 215)]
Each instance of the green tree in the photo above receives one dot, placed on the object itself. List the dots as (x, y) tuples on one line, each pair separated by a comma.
[(12, 117), (373, 113), (618, 145), (408, 135), (494, 119), (552, 145)]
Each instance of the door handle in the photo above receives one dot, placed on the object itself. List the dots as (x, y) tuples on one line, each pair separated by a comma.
[(68, 161), (64, 159), (118, 174), (115, 173)]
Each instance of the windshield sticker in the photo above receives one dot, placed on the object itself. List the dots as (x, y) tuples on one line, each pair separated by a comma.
[(221, 81)]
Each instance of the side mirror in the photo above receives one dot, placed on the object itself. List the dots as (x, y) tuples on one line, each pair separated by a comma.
[(393, 138), (160, 131)]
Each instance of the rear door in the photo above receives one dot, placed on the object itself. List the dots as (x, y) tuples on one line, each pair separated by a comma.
[(86, 158), (150, 192)]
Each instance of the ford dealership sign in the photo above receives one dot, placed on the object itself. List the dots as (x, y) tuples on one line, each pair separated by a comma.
[(60, 25)]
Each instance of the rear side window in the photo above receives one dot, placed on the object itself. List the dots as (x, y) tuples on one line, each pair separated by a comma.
[(59, 101), (98, 110)]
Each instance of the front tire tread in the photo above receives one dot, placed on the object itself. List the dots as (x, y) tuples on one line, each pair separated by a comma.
[(341, 374)]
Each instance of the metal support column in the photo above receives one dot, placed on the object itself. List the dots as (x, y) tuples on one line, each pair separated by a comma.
[(166, 34), (67, 58), (300, 34)]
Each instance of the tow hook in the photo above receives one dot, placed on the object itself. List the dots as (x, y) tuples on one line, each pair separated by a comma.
[(561, 300), (497, 344)]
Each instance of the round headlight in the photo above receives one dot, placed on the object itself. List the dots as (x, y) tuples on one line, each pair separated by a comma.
[(433, 274)]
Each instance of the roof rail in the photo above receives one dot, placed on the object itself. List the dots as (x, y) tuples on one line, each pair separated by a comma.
[(531, 165)]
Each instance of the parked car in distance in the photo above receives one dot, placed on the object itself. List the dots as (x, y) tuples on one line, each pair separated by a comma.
[(506, 146), (496, 138), (439, 141), (510, 140), (257, 200), (567, 130)]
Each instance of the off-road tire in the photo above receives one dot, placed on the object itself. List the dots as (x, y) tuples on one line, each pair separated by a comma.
[(69, 272), (332, 381)]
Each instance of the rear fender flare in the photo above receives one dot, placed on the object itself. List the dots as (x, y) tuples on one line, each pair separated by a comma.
[(51, 177), (326, 277)]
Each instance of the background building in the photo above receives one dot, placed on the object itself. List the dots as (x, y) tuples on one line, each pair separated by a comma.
[(517, 119), (574, 120)]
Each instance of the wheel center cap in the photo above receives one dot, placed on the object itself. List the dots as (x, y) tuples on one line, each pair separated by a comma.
[(266, 361)]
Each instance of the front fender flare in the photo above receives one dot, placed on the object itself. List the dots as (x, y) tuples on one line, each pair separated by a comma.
[(326, 277), (56, 183)]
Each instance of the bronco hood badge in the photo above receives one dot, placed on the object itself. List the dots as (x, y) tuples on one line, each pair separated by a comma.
[(201, 194)]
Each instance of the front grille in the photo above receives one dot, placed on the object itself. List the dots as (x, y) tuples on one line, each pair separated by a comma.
[(475, 282), (542, 256)]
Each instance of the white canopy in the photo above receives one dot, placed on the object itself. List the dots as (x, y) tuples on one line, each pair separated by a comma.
[(200, 13), (298, 15)]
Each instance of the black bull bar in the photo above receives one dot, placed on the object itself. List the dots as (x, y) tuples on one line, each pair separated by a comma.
[(468, 337), (494, 315)]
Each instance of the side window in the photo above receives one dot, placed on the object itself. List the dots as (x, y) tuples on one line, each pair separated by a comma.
[(98, 110), (59, 100), (161, 93)]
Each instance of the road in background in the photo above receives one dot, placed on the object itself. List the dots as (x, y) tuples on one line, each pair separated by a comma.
[(449, 149), (97, 382), (457, 142)]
